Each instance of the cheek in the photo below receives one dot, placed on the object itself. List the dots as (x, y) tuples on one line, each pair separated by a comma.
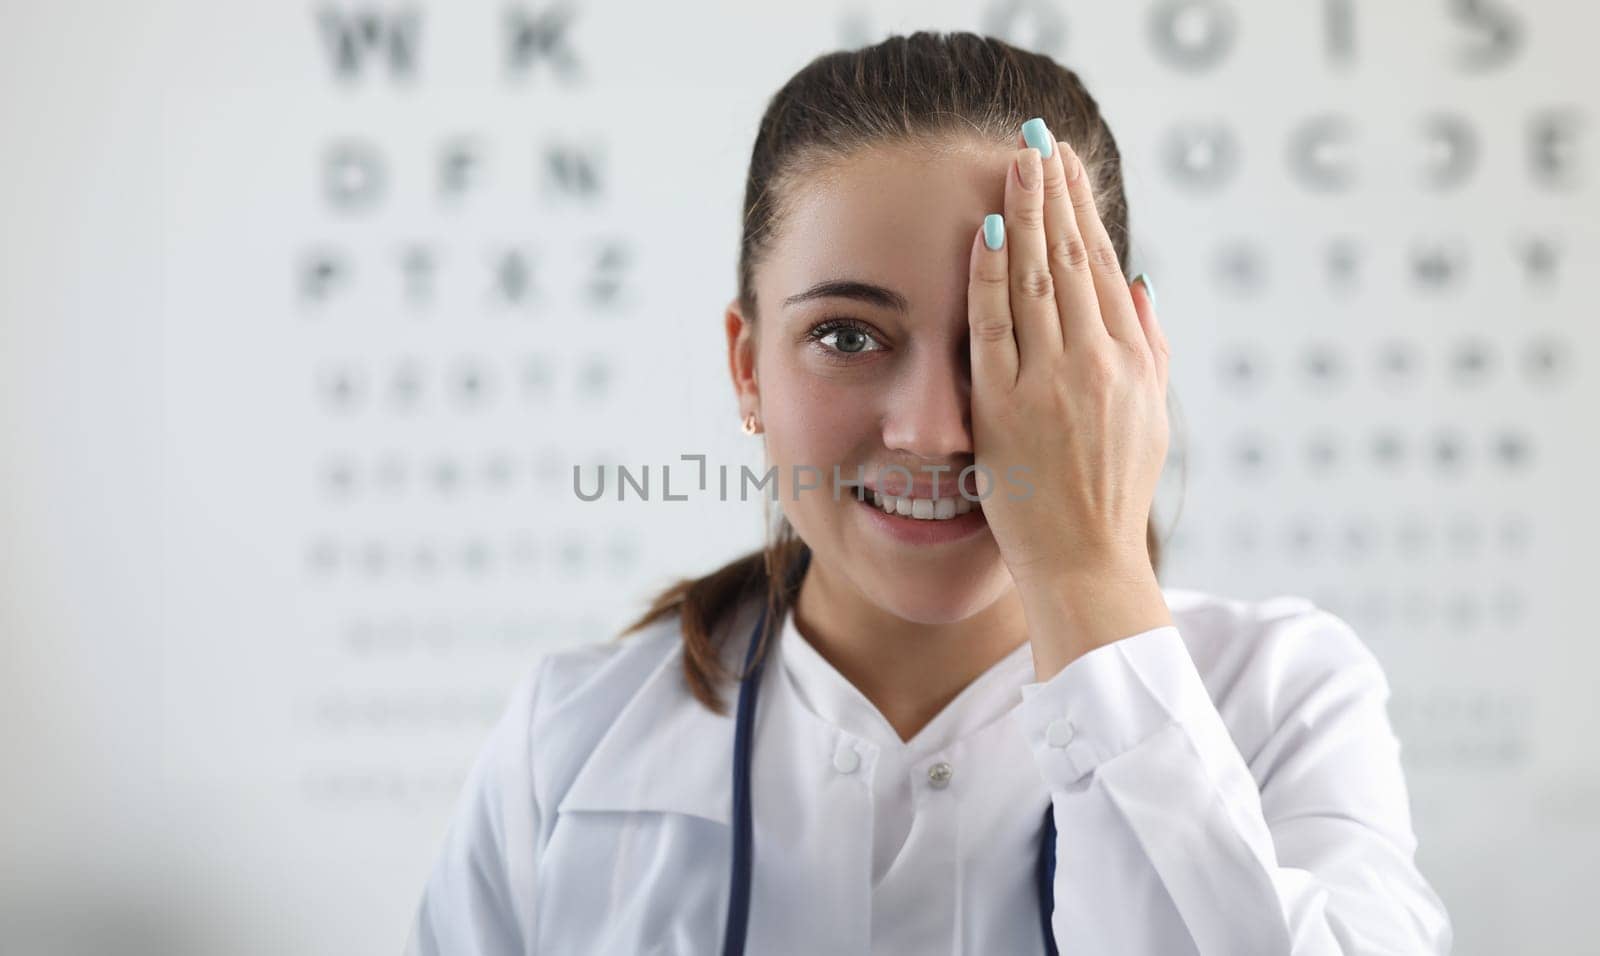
[(819, 426)]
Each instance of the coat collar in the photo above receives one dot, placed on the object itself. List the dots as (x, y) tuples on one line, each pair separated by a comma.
[(665, 751)]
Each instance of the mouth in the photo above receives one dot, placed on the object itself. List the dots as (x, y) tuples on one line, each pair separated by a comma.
[(923, 509), (922, 521)]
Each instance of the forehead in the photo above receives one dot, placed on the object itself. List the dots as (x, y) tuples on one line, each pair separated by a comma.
[(900, 215)]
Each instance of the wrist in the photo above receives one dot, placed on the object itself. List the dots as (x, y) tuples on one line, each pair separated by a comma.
[(1093, 572), (1072, 613)]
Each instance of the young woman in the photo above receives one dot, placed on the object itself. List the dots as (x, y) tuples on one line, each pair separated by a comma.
[(968, 719)]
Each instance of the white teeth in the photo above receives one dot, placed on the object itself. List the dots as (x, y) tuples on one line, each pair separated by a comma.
[(925, 509)]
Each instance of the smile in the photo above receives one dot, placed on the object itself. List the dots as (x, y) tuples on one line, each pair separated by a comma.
[(946, 519), (922, 509)]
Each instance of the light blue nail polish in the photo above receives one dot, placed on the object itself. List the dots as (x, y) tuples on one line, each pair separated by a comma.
[(1148, 286), (994, 231), (1038, 136)]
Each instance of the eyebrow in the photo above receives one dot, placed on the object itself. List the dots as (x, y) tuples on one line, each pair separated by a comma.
[(851, 289)]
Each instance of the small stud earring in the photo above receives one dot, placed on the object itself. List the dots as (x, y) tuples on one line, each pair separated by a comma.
[(749, 427)]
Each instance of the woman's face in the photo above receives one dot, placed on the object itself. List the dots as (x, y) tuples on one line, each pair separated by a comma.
[(892, 384)]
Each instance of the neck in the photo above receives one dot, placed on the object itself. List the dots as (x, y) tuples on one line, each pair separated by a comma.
[(908, 670)]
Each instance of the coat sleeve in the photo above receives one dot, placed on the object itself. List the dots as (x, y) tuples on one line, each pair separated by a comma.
[(1152, 798), (479, 897)]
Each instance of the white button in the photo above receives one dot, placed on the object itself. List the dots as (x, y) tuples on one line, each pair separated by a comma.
[(845, 759), (939, 775), (1058, 733)]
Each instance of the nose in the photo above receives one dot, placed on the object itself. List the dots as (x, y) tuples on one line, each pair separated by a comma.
[(930, 414)]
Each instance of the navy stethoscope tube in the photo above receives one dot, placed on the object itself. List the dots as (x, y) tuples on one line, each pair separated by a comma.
[(743, 840)]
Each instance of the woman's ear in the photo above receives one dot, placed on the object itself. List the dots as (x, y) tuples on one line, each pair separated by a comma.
[(742, 356)]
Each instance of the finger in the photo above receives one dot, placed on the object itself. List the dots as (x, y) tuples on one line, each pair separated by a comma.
[(1144, 302), (1116, 302), (1032, 287), (992, 339), (1077, 303)]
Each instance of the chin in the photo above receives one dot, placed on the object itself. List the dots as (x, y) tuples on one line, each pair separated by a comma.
[(931, 597), (928, 586)]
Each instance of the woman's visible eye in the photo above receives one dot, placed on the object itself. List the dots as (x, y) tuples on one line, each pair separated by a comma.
[(848, 336)]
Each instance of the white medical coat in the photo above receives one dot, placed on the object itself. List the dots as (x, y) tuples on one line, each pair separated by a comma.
[(1227, 785)]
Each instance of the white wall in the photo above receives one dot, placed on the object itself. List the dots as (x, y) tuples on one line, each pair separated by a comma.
[(238, 699)]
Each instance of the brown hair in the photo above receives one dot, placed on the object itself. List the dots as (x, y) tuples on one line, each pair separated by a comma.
[(922, 86)]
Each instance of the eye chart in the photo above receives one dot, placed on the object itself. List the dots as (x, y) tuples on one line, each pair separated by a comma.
[(418, 261)]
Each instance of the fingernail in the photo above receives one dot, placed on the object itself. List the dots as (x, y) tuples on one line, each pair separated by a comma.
[(1037, 135), (1149, 289), (994, 231)]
